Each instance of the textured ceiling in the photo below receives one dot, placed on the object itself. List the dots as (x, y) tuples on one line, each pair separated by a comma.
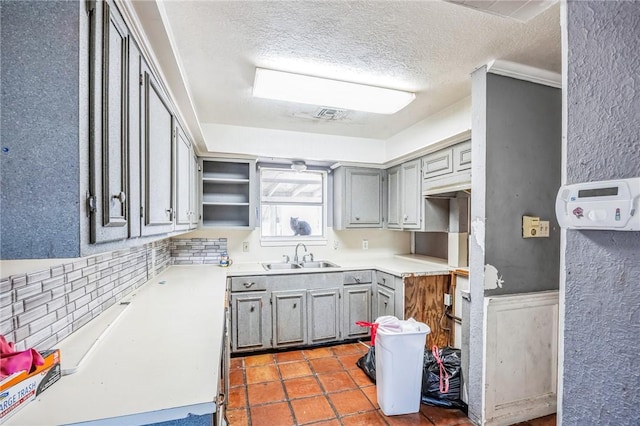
[(429, 47)]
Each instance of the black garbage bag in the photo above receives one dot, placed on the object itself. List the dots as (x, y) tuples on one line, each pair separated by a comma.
[(368, 363), (442, 378)]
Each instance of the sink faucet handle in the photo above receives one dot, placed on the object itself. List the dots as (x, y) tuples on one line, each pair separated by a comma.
[(309, 256), (286, 258)]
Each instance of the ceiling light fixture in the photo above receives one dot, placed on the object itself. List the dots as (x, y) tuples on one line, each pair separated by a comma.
[(298, 165), (305, 89)]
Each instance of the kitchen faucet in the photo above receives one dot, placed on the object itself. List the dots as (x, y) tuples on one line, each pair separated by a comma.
[(295, 257)]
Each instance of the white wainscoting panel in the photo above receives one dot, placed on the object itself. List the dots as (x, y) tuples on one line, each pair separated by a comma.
[(521, 357)]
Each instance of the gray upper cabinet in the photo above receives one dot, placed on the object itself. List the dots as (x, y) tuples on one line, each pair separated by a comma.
[(462, 156), (357, 197), (110, 137), (437, 164), (411, 212), (404, 196), (447, 170), (97, 134), (157, 176), (185, 217), (394, 198)]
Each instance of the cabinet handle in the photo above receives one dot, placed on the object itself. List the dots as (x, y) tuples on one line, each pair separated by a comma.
[(357, 217), (122, 197), (295, 305), (253, 308), (385, 305), (384, 280), (357, 279), (248, 285)]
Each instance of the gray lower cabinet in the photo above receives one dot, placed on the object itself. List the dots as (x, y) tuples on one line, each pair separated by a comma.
[(289, 318), (251, 321), (388, 295), (357, 307), (324, 315), (385, 302), (356, 303), (279, 311), (250, 303)]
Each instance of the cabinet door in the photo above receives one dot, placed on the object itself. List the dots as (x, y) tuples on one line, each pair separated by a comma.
[(251, 321), (394, 197), (356, 302), (156, 148), (184, 179), (289, 318), (462, 156), (385, 302), (437, 164), (109, 112), (324, 315), (195, 190), (411, 195), (364, 197)]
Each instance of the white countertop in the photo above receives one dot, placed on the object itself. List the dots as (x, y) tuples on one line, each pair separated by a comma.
[(159, 359), (399, 265)]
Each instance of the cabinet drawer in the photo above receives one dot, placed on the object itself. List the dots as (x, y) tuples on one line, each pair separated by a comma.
[(387, 280), (356, 277), (437, 164), (248, 283)]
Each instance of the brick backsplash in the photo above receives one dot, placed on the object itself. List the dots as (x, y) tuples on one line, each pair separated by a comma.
[(39, 309), (197, 250)]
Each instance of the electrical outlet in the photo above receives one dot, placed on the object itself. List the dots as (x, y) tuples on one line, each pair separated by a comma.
[(365, 244), (245, 246), (336, 244), (447, 299)]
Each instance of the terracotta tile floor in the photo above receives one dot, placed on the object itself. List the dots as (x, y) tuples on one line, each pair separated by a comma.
[(320, 386)]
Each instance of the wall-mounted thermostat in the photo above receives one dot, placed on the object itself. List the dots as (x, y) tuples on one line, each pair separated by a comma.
[(611, 204)]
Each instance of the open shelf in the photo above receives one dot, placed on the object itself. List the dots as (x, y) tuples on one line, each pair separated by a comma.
[(226, 193)]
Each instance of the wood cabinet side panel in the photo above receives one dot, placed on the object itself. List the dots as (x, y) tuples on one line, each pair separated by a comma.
[(424, 301)]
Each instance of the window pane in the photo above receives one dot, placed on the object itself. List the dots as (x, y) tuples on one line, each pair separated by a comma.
[(287, 186), (286, 220)]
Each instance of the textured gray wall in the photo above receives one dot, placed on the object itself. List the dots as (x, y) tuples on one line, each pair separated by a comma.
[(602, 320), (516, 160), (523, 159), (39, 129)]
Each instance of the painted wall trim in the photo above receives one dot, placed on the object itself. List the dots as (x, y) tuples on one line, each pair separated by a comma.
[(525, 72)]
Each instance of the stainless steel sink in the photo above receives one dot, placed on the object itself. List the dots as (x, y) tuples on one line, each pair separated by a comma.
[(281, 265), (319, 264)]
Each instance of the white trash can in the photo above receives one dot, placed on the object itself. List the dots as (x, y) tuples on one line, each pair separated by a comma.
[(399, 364)]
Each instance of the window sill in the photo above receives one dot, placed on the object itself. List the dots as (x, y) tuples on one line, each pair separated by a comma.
[(281, 242)]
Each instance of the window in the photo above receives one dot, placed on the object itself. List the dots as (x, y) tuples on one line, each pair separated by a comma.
[(292, 204)]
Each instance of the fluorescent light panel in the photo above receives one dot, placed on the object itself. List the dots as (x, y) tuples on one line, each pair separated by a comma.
[(304, 89)]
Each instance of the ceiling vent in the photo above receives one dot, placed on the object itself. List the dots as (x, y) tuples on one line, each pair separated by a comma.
[(520, 10), (330, 114)]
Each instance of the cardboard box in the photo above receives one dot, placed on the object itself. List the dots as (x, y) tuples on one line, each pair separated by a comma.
[(20, 388)]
